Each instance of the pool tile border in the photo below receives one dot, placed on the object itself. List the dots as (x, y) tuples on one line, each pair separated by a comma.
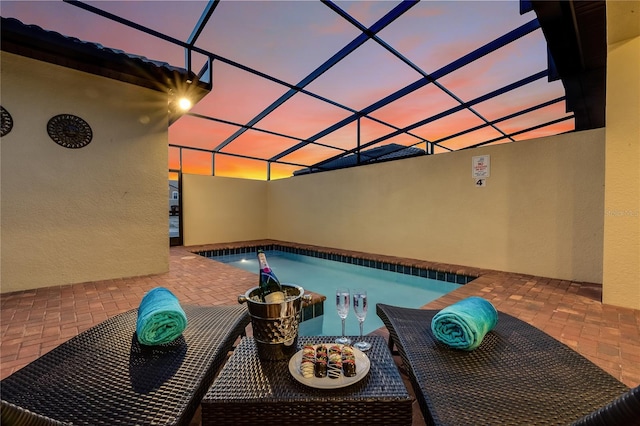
[(448, 276)]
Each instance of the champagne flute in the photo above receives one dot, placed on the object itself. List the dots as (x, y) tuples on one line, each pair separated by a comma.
[(360, 308), (342, 305)]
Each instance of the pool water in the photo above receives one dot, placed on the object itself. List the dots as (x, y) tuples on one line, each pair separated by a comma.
[(325, 276)]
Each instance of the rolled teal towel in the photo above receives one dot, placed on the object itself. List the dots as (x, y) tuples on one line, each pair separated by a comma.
[(160, 317), (464, 324)]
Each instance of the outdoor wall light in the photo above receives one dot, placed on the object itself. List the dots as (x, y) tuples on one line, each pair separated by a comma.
[(179, 101), (182, 95), (184, 104)]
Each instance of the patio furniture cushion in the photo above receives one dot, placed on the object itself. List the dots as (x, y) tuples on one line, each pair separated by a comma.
[(103, 376), (518, 375)]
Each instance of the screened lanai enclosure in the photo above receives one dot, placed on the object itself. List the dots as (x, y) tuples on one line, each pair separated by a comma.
[(287, 88), (300, 87)]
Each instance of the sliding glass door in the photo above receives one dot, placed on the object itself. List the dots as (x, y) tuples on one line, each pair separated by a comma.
[(175, 207)]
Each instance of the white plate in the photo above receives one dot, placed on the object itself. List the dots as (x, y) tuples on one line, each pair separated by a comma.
[(362, 368)]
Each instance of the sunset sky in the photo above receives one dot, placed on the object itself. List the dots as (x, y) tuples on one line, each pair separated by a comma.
[(288, 40)]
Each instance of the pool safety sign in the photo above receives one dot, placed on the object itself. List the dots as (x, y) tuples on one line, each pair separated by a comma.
[(481, 169)]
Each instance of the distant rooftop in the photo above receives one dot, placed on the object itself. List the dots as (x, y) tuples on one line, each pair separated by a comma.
[(383, 153)]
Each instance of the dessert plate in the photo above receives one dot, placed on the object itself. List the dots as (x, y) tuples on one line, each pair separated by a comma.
[(362, 368)]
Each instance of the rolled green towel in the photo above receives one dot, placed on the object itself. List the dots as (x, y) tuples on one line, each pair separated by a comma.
[(160, 317), (464, 324)]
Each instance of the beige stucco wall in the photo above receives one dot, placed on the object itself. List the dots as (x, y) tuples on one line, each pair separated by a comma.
[(75, 215), (540, 213), (621, 279), (220, 209)]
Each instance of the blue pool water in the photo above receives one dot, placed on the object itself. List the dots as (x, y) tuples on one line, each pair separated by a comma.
[(325, 276)]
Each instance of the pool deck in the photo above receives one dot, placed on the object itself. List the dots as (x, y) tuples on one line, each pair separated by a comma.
[(32, 322)]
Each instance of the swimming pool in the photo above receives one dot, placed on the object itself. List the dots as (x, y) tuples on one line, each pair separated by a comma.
[(324, 276)]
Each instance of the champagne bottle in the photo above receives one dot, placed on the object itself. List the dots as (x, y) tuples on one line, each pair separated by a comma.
[(270, 287)]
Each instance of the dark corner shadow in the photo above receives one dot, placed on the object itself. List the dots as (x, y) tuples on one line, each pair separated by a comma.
[(151, 366), (591, 291)]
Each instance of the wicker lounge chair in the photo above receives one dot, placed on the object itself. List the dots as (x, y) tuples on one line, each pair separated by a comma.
[(104, 376), (518, 376)]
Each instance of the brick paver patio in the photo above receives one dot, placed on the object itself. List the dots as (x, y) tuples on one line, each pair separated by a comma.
[(33, 322)]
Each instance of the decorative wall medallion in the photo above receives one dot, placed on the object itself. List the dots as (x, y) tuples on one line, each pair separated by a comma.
[(69, 131), (7, 121)]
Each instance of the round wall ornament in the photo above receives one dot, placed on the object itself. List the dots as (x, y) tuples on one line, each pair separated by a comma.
[(69, 131), (7, 121)]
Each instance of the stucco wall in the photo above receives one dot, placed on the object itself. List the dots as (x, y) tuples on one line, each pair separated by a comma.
[(75, 215), (220, 209), (621, 280), (540, 213)]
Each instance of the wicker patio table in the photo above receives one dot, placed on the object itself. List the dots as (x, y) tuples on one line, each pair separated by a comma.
[(249, 391), (103, 376)]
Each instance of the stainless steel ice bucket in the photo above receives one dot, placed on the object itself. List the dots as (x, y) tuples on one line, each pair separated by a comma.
[(275, 325)]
